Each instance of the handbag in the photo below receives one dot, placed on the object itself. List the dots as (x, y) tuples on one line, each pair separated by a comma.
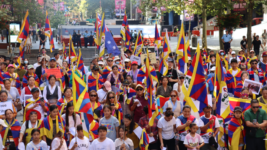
[(251, 132)]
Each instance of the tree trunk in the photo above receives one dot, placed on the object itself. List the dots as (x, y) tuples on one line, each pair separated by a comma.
[(220, 30), (189, 31), (250, 11), (204, 22)]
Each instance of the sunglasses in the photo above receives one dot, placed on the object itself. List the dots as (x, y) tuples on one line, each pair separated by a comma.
[(173, 95), (251, 52), (254, 63), (255, 107), (111, 97), (181, 77), (139, 89), (96, 70), (93, 95), (110, 60)]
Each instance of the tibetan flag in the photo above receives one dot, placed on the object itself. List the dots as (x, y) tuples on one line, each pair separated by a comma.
[(15, 130), (142, 72), (160, 102), (125, 32), (235, 128), (150, 96), (144, 141), (25, 80), (47, 26), (138, 45), (80, 96), (25, 28), (157, 37), (102, 37), (52, 46), (64, 51), (222, 100), (194, 86), (95, 83), (181, 51), (72, 53), (163, 66), (80, 64), (105, 73), (243, 103), (46, 127), (13, 77), (90, 126)]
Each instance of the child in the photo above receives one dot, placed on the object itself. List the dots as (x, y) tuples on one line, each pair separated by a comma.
[(247, 94), (193, 141), (235, 123)]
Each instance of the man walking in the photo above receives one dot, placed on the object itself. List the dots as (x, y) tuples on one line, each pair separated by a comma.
[(227, 39), (256, 45), (243, 44), (264, 36), (42, 40)]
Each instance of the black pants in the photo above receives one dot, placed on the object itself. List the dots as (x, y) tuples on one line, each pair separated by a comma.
[(255, 143), (85, 42), (169, 144), (227, 46), (79, 42), (182, 146), (257, 52)]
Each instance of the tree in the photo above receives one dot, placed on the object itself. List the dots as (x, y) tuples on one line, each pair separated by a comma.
[(5, 14), (57, 19)]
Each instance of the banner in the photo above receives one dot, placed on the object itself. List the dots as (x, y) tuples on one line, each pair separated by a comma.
[(4, 106), (55, 72), (120, 6)]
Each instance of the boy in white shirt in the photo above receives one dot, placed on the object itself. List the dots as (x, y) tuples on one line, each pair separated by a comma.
[(102, 142), (81, 142)]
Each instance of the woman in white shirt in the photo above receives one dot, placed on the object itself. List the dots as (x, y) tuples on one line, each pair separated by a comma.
[(123, 142), (166, 130), (36, 143), (52, 92)]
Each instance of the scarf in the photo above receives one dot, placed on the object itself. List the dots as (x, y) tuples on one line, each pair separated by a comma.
[(25, 80), (47, 126), (14, 126), (105, 73), (95, 83), (258, 72), (62, 103)]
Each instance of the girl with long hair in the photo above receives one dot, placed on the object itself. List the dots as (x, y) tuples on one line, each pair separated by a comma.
[(115, 106)]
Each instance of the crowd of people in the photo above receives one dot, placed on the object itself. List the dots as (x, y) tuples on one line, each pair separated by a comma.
[(49, 121)]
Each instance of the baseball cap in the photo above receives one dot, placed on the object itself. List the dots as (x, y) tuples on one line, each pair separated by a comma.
[(127, 60), (107, 85), (16, 57), (237, 108), (170, 59), (134, 63), (126, 82), (264, 54), (95, 67), (116, 58), (251, 50), (189, 58), (139, 85), (101, 62), (34, 90), (60, 49), (10, 65), (2, 123), (53, 58), (233, 52), (30, 67)]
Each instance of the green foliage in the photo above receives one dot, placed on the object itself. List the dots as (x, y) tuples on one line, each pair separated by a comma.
[(229, 21), (5, 15), (57, 19)]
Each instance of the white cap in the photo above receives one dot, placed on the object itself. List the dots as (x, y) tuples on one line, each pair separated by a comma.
[(233, 52), (127, 60), (116, 58), (213, 68), (149, 51), (189, 58), (251, 50), (2, 123), (100, 62)]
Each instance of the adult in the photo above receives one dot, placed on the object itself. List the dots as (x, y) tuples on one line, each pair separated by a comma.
[(34, 35), (28, 44), (178, 87), (58, 60), (3, 96), (164, 90), (182, 125), (123, 142), (134, 71), (52, 92), (30, 72), (95, 80), (40, 69), (239, 86), (110, 122), (131, 125), (255, 73), (13, 94), (138, 103), (96, 106), (56, 125), (256, 121), (115, 105), (27, 127), (209, 127), (243, 44), (233, 76), (264, 45), (12, 76), (102, 93), (233, 56), (107, 69), (115, 78), (263, 99), (152, 131), (251, 57), (264, 36), (127, 67), (227, 39), (256, 45), (86, 36), (212, 62), (78, 36), (36, 142), (172, 73), (102, 142), (35, 104), (67, 97), (91, 38), (44, 54), (166, 130), (42, 40), (80, 142), (71, 119), (10, 134), (174, 104), (74, 37)]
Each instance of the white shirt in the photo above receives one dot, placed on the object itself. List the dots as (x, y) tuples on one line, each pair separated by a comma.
[(42, 145), (237, 58), (208, 135), (35, 65), (107, 144), (101, 96), (71, 121), (23, 127), (167, 128), (24, 97), (52, 90), (183, 134), (83, 144), (128, 143), (234, 72), (1, 143), (56, 143), (180, 94), (59, 61), (264, 47)]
